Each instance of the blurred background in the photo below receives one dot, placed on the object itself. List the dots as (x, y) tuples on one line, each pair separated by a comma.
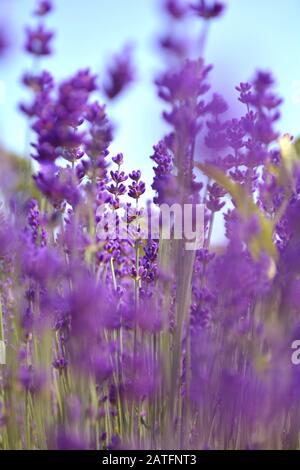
[(250, 35)]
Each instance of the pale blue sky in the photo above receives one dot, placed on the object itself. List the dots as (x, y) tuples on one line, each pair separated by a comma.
[(252, 34)]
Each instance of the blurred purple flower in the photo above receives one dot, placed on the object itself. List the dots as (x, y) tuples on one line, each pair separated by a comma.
[(43, 8), (176, 9), (38, 41), (58, 186), (119, 74), (32, 380), (4, 43), (68, 440), (206, 11)]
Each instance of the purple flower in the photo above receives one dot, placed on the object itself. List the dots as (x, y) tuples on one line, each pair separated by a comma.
[(141, 375), (43, 82), (136, 189), (58, 118), (36, 225), (68, 440), (215, 193), (58, 186), (38, 41), (235, 135), (4, 44), (114, 443), (100, 130), (41, 264), (175, 45), (102, 367), (60, 363), (107, 334), (41, 85), (27, 320), (135, 175), (164, 183), (183, 90), (217, 105), (43, 8), (175, 9), (216, 137), (187, 82), (149, 319), (118, 159), (117, 190), (87, 307), (32, 380), (263, 81), (208, 12), (120, 74), (245, 92), (118, 177)]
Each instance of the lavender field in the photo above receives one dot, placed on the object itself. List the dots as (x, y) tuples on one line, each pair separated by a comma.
[(116, 335)]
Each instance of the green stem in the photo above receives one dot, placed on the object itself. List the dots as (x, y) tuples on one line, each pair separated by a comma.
[(1, 322)]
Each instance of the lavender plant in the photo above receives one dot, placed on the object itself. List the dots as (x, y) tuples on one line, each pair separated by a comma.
[(135, 342)]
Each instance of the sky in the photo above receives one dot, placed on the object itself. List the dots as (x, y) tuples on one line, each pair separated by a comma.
[(256, 34)]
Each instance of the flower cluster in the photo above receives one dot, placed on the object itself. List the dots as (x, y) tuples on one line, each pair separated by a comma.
[(133, 341)]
